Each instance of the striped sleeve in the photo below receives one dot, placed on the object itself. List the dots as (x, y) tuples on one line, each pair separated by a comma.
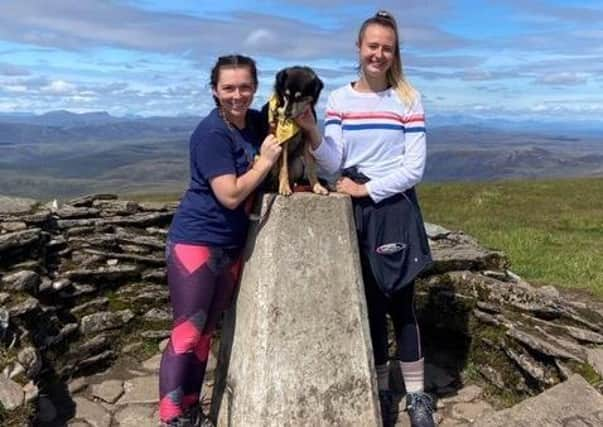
[(329, 154), (411, 170)]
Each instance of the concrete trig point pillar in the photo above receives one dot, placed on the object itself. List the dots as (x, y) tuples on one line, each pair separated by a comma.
[(296, 346)]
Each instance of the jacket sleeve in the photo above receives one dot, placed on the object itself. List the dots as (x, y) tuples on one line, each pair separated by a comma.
[(329, 154), (412, 167)]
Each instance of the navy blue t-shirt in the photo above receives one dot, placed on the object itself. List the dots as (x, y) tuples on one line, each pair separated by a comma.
[(216, 150)]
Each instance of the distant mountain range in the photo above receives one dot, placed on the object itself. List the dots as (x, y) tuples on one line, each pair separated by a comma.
[(553, 125), (63, 118), (66, 127), (62, 154)]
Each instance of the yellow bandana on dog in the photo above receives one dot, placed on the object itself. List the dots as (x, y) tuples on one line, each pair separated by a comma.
[(285, 128)]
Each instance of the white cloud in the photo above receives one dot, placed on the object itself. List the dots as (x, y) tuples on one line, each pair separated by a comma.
[(477, 75), (15, 88), (82, 99), (12, 70), (128, 56), (564, 79), (76, 25), (259, 37), (9, 106), (59, 87)]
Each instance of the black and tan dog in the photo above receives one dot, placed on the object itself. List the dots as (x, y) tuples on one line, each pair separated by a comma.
[(295, 89)]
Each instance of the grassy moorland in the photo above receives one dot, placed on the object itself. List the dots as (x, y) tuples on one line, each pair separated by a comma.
[(552, 230)]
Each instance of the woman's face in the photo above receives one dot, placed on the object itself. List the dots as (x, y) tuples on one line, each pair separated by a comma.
[(235, 90), (377, 50)]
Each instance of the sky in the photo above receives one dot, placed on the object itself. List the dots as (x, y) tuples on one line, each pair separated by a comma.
[(539, 59)]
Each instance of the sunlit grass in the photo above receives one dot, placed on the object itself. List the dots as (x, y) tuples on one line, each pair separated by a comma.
[(552, 231)]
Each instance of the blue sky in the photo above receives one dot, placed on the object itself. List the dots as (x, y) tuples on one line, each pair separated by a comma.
[(493, 58)]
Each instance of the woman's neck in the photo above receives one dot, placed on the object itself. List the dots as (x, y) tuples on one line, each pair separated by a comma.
[(371, 84), (238, 122)]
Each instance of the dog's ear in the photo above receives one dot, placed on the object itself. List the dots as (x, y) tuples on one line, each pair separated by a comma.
[(281, 78), (318, 86)]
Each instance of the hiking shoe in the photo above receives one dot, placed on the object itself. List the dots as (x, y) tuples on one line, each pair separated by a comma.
[(177, 422), (193, 415), (386, 400), (206, 421), (190, 418), (420, 409)]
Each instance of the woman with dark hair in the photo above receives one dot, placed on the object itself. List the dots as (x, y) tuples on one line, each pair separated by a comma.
[(208, 231), (375, 137)]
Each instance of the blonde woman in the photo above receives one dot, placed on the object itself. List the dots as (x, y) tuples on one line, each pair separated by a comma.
[(375, 137)]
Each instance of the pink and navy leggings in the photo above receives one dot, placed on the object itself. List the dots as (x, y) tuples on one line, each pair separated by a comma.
[(202, 281)]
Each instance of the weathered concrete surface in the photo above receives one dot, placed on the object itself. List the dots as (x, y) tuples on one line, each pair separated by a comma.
[(571, 403), (300, 343)]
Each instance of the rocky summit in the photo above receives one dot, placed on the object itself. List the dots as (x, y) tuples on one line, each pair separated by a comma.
[(84, 314)]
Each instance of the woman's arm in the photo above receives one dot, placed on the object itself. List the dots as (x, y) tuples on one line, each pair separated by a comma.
[(327, 151), (232, 190), (413, 165)]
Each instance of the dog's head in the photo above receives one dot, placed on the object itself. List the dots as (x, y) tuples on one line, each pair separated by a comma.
[(296, 88)]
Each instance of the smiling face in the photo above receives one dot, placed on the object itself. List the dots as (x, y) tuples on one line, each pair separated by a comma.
[(234, 90), (377, 49)]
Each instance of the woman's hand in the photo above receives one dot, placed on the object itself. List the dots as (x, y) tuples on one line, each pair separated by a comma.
[(270, 149), (347, 186), (307, 122), (232, 190), (306, 119)]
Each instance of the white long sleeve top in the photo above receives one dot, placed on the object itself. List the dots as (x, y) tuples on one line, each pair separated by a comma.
[(379, 134)]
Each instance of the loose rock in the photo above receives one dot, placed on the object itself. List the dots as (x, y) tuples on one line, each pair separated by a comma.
[(93, 413), (108, 391), (11, 394)]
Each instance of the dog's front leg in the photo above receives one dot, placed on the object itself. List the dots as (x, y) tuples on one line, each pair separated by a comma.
[(283, 177), (310, 163)]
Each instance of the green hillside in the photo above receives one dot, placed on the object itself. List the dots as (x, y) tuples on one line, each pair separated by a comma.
[(552, 230)]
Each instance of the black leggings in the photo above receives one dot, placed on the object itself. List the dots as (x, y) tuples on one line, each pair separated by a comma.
[(401, 308)]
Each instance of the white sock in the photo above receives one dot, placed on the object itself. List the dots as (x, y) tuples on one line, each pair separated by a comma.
[(382, 376), (413, 375)]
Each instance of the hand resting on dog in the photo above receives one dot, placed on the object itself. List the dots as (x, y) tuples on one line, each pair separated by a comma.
[(307, 122), (231, 190)]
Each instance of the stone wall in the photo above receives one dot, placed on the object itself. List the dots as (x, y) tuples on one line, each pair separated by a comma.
[(481, 322), (80, 283), (84, 282)]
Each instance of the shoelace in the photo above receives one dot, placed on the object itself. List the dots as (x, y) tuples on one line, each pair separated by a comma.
[(420, 398)]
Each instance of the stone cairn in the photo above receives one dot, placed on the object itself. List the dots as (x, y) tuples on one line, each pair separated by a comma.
[(84, 283), (79, 285), (485, 325)]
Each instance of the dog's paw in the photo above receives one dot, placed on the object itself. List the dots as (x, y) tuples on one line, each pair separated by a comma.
[(284, 190), (319, 189)]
